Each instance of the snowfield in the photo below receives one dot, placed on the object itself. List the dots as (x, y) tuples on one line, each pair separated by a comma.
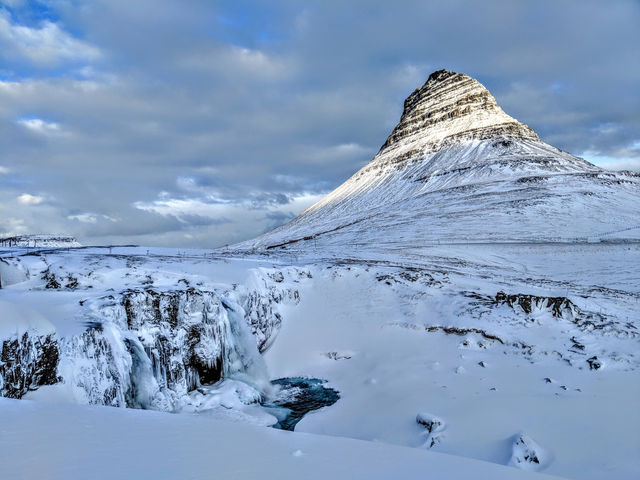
[(471, 298), (397, 340), (61, 441)]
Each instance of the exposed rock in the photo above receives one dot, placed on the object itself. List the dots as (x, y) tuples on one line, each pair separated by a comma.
[(526, 454), (559, 306), (452, 106), (338, 356), (434, 427), (147, 348), (261, 315), (464, 331), (27, 362), (594, 363)]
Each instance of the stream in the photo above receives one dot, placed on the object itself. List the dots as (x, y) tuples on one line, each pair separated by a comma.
[(298, 396)]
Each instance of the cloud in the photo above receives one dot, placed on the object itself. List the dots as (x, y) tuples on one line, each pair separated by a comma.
[(40, 126), (45, 45), (612, 163), (90, 217), (205, 125), (232, 60), (28, 199)]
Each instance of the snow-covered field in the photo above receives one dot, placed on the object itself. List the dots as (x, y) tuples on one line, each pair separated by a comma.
[(61, 441), (397, 339)]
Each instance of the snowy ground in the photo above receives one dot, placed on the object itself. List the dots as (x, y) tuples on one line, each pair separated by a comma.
[(387, 372), (414, 335), (58, 441)]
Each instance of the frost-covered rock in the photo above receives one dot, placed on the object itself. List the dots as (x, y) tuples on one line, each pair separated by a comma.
[(146, 347), (27, 361), (29, 350), (434, 426), (150, 349), (526, 454), (260, 307)]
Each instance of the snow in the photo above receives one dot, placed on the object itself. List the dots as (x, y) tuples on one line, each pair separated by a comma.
[(397, 336), (18, 319), (396, 373), (62, 441)]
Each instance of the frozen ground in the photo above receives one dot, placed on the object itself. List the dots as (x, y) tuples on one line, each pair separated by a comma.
[(60, 442), (421, 333)]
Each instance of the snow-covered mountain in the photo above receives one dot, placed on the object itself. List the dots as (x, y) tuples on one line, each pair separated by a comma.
[(458, 169), (471, 291), (39, 241)]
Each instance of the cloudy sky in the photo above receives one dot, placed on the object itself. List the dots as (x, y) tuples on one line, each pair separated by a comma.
[(199, 123)]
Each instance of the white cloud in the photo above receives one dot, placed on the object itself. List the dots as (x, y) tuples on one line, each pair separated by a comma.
[(234, 60), (28, 199), (39, 125), (46, 45), (612, 163), (335, 153), (181, 208), (16, 226), (3, 170), (90, 217)]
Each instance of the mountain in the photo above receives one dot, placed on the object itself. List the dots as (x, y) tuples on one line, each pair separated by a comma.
[(457, 169), (39, 241)]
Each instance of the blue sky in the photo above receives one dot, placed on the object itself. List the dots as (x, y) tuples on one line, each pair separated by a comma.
[(200, 123)]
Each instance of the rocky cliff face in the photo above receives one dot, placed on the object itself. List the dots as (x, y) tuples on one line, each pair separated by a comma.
[(28, 360), (151, 348), (449, 107)]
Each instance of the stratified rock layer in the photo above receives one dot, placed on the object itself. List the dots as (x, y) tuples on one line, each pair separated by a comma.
[(449, 107)]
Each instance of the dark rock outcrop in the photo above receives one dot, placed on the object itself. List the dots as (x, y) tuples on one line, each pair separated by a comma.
[(559, 306), (28, 361)]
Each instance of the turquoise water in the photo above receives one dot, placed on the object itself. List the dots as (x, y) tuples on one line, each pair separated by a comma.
[(298, 396)]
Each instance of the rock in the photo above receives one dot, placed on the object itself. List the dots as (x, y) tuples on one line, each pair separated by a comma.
[(28, 361), (594, 363), (449, 107), (526, 454), (338, 356), (559, 306), (434, 427)]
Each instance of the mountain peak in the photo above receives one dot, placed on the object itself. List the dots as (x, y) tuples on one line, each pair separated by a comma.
[(439, 75), (450, 107)]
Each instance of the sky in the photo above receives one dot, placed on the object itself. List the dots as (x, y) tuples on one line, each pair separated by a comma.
[(201, 123)]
